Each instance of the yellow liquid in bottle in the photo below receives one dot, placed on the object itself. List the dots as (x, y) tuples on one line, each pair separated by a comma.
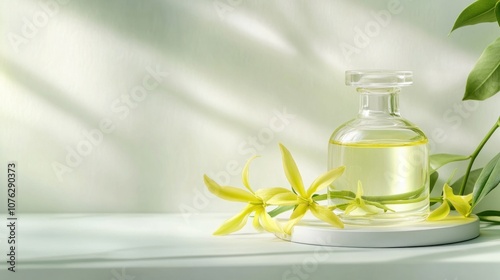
[(394, 179)]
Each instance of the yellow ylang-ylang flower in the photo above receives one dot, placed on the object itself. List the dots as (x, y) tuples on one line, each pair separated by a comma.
[(367, 206), (358, 202), (257, 202), (460, 203), (302, 198)]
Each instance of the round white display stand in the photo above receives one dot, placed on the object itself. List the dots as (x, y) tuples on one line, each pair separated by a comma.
[(450, 230)]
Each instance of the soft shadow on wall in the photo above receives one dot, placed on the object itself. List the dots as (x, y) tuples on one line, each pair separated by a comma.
[(239, 77)]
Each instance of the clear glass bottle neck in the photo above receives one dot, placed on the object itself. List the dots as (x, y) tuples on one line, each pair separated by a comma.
[(379, 102)]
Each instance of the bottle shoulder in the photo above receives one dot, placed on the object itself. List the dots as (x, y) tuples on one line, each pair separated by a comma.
[(390, 130)]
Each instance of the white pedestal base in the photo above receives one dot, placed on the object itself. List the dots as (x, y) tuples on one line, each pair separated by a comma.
[(450, 230)]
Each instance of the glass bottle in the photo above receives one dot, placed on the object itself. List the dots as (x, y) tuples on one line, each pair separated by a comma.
[(386, 180)]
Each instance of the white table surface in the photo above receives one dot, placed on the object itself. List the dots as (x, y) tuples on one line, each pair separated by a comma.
[(173, 246)]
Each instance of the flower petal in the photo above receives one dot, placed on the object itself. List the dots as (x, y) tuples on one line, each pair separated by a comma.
[(439, 213), (369, 210), (236, 222), (268, 193), (229, 193), (256, 220), (324, 180), (299, 211), (269, 223), (460, 203), (350, 208), (290, 224), (244, 174), (359, 192), (292, 172), (447, 191), (296, 216), (324, 214), (285, 198)]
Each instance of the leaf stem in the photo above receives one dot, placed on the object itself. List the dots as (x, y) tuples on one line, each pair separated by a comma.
[(475, 153), (348, 195), (402, 201), (436, 199)]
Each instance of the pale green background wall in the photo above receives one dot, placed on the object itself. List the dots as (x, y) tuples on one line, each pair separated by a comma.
[(224, 68)]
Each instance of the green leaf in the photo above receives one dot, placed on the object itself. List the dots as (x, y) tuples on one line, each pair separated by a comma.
[(484, 79), (489, 216), (433, 179), (438, 160), (473, 175), (497, 12), (487, 180), (478, 12)]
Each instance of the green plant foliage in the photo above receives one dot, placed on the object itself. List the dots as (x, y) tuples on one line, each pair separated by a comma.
[(489, 216), (497, 12), (471, 180), (478, 12), (488, 180), (433, 179), (484, 80), (438, 160)]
